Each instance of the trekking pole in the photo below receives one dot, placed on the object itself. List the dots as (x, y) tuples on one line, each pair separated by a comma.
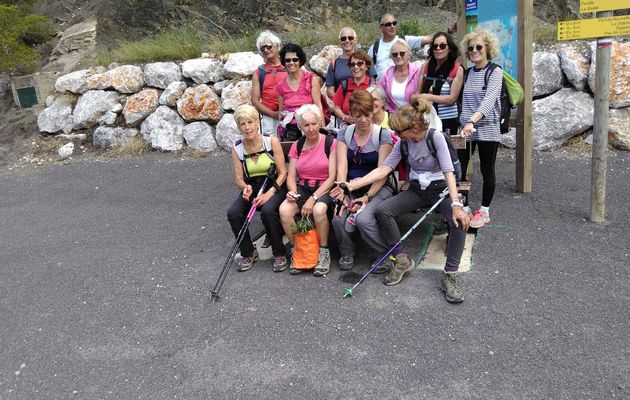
[(348, 291), (241, 234)]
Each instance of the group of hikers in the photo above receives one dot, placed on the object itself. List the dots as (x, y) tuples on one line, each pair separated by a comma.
[(387, 111)]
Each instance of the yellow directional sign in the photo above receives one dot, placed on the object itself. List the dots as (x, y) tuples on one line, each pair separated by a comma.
[(587, 6), (594, 27)]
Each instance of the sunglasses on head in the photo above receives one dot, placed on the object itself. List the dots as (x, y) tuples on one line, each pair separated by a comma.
[(440, 46), (399, 54), (478, 47), (294, 59), (388, 24), (266, 47), (356, 64), (348, 38)]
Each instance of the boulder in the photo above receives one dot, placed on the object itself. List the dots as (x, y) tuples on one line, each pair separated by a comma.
[(92, 106), (242, 65), (199, 103), (74, 82), (105, 136), (58, 116), (320, 61), (127, 79), (164, 129), (99, 81), (547, 77), (199, 136), (235, 94), (161, 74), (219, 86), (109, 118), (227, 132), (117, 108), (140, 105), (203, 70), (619, 128), (619, 73), (172, 93), (575, 60), (559, 117)]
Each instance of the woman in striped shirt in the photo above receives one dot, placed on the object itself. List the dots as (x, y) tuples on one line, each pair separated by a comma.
[(480, 117)]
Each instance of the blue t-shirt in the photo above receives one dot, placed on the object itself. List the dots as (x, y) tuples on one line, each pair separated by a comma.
[(342, 71)]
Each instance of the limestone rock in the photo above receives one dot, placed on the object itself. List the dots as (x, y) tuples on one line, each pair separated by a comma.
[(50, 100), (199, 103), (227, 132), (319, 62), (66, 150), (109, 118), (163, 129), (172, 93), (74, 82), (127, 79), (547, 77), (219, 86), (235, 94), (559, 117), (242, 65), (199, 136), (619, 128), (112, 137), (58, 116), (140, 105), (117, 108), (575, 60), (203, 70), (161, 74), (619, 73), (99, 81), (92, 106)]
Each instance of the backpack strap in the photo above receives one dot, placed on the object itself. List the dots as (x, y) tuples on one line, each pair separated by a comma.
[(348, 134), (375, 50), (240, 151), (328, 144), (376, 137), (491, 67), (430, 142), (300, 145), (344, 88), (453, 73), (261, 75)]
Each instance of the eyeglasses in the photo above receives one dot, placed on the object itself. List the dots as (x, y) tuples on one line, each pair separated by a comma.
[(266, 47), (348, 38), (399, 132), (294, 60), (356, 64), (400, 54), (440, 46), (388, 24), (478, 47)]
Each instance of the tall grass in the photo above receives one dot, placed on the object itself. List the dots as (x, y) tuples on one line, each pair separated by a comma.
[(179, 44)]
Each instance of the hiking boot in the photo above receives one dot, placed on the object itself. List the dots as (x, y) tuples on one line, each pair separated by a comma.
[(385, 266), (266, 242), (323, 263), (402, 265), (479, 219), (346, 262), (247, 262), (280, 263), (451, 285)]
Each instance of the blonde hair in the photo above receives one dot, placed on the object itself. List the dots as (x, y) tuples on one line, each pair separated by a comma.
[(490, 41), (245, 112), (403, 43), (415, 113)]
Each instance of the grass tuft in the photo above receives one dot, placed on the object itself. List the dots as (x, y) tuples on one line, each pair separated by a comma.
[(136, 146), (179, 44)]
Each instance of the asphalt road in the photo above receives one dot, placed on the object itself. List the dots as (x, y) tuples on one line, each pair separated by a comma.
[(106, 267)]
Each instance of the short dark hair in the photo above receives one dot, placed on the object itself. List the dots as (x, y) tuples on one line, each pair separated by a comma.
[(359, 55), (293, 48)]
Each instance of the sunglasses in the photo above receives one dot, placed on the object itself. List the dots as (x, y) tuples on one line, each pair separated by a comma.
[(400, 54), (388, 24), (348, 38), (478, 47), (294, 60), (440, 46), (356, 156), (266, 47), (356, 64)]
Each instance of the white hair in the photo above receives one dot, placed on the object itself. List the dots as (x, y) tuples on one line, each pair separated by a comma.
[(347, 28), (403, 43), (268, 36), (308, 108)]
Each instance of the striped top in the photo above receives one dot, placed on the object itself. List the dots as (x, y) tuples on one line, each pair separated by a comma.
[(485, 100), (446, 111)]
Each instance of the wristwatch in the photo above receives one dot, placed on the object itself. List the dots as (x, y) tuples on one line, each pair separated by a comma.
[(369, 196), (314, 196), (457, 204)]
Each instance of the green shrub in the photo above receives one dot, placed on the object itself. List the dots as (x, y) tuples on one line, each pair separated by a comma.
[(413, 27), (18, 32), (180, 44)]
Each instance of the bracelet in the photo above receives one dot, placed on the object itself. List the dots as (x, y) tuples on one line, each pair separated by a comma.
[(369, 196), (457, 204)]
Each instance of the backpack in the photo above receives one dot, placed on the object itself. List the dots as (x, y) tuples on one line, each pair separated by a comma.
[(375, 48), (240, 152), (404, 152), (376, 136), (449, 79), (344, 86), (327, 144), (261, 74)]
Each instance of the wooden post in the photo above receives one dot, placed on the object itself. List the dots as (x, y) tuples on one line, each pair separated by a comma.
[(600, 128), (524, 127), (461, 23)]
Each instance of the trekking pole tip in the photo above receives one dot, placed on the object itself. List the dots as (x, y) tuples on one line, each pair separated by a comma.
[(348, 292)]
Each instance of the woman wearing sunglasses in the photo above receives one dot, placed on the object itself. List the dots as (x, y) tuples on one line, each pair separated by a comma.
[(430, 176), (361, 149), (400, 81), (442, 79), (298, 88), (359, 63), (480, 117)]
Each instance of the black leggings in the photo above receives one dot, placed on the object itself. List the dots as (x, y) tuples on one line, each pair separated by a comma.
[(487, 160)]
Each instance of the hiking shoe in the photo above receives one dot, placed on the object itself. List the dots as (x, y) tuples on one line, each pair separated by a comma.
[(385, 266), (247, 262), (402, 265), (323, 263), (346, 263), (280, 263), (451, 285), (266, 242), (479, 219)]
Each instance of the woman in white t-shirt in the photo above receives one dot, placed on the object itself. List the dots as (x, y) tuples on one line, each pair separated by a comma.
[(400, 81)]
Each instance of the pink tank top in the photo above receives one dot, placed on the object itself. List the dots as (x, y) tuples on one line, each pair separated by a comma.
[(294, 99)]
